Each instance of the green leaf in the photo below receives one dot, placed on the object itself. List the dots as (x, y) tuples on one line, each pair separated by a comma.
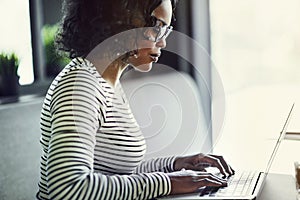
[(9, 64)]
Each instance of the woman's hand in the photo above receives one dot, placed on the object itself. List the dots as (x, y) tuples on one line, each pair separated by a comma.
[(200, 161), (187, 183)]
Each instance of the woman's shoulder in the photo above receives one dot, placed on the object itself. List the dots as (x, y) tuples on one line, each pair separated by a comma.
[(79, 66), (80, 72), (80, 69), (78, 78)]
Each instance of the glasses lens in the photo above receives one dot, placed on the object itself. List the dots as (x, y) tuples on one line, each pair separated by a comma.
[(164, 33), (157, 33), (152, 33), (161, 33)]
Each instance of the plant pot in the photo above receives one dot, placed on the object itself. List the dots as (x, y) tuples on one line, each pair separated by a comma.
[(10, 85)]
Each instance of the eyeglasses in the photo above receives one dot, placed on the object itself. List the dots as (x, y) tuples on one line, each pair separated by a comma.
[(157, 32)]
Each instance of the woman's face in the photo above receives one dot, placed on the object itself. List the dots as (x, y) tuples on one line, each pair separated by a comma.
[(146, 56)]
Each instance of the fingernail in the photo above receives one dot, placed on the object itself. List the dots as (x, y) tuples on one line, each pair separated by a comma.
[(220, 183)]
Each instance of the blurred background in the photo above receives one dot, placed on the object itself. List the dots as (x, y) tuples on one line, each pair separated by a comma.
[(253, 46)]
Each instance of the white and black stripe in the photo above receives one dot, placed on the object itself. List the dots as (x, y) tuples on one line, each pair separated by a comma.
[(92, 146)]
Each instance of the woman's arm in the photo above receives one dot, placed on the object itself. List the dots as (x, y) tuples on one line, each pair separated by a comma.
[(157, 165), (69, 171)]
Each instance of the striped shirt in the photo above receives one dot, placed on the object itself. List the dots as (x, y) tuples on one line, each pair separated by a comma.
[(92, 145)]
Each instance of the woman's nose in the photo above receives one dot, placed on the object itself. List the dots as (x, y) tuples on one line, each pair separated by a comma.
[(161, 43)]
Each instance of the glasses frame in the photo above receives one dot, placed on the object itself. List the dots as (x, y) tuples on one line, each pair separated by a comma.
[(161, 32)]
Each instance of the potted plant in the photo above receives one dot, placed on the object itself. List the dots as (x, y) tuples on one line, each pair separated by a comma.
[(54, 61), (9, 79)]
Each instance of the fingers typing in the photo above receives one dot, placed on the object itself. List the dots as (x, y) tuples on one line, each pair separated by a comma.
[(186, 184)]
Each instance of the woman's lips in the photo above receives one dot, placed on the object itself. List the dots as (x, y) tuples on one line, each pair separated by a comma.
[(154, 57)]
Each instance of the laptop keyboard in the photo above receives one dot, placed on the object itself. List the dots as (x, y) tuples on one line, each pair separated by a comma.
[(240, 184)]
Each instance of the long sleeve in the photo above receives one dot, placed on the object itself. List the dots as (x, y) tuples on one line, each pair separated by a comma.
[(67, 166), (157, 165)]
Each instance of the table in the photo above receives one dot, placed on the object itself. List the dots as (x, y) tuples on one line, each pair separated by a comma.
[(279, 187)]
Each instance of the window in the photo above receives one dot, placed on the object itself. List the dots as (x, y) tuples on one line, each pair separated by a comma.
[(256, 46), (16, 35)]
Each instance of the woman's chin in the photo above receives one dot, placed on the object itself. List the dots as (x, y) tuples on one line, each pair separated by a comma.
[(143, 67)]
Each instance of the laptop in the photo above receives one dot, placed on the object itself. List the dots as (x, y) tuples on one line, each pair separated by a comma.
[(245, 185)]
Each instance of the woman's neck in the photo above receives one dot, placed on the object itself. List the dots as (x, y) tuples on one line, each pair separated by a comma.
[(113, 73), (113, 70)]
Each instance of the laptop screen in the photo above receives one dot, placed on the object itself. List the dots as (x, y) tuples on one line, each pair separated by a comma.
[(281, 137)]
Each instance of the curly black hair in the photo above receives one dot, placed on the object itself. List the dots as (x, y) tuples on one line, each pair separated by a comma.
[(86, 23)]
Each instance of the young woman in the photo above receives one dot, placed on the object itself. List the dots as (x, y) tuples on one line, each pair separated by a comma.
[(92, 146)]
